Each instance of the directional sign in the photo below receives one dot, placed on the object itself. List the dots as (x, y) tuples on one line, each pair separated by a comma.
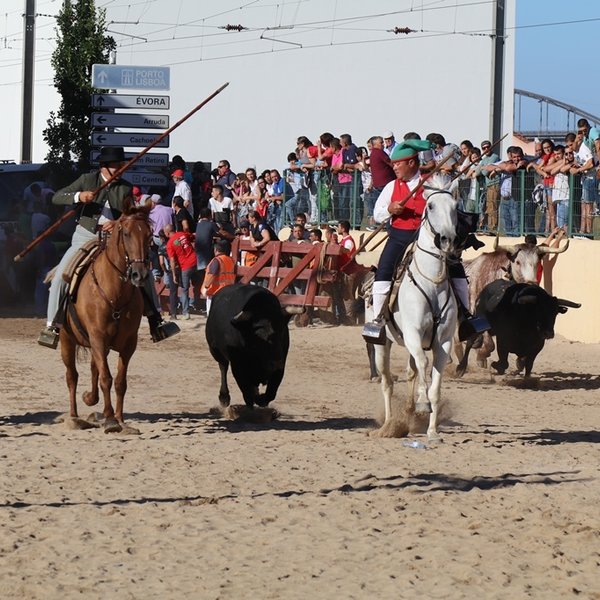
[(136, 139), (143, 178), (131, 77), (130, 101), (130, 120), (148, 160)]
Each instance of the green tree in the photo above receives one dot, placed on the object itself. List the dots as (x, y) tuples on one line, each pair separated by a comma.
[(81, 42)]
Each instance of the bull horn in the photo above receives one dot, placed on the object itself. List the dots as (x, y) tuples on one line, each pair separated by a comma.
[(568, 303), (242, 317), (509, 249), (541, 250)]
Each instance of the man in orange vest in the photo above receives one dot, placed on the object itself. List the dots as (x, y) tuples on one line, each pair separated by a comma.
[(219, 272)]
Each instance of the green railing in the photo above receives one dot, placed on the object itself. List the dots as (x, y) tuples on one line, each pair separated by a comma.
[(335, 203)]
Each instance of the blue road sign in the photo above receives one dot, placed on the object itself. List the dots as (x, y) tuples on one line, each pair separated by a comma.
[(130, 101), (131, 77), (130, 120), (149, 160), (136, 140)]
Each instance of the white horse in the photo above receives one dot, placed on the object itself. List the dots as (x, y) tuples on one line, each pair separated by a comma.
[(424, 313)]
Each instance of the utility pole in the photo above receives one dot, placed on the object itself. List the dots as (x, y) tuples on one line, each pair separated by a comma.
[(498, 71), (28, 65)]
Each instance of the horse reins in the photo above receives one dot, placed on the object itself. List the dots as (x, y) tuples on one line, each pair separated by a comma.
[(442, 277), (124, 275)]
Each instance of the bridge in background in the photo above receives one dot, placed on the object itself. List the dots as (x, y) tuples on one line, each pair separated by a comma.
[(553, 118)]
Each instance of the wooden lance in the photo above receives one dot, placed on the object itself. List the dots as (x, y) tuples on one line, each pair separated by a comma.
[(117, 174)]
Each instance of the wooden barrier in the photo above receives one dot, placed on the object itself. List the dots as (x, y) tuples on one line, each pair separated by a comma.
[(314, 264)]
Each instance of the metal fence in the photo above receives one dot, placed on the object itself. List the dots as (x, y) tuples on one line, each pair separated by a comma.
[(525, 211)]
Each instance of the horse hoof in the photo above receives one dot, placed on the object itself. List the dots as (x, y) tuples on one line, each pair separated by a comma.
[(393, 428), (459, 372), (75, 423), (376, 379), (434, 439), (111, 425), (89, 399), (224, 401), (482, 363), (422, 408), (95, 419), (127, 430)]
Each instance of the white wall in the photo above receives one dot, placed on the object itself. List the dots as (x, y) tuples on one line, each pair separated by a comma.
[(430, 81)]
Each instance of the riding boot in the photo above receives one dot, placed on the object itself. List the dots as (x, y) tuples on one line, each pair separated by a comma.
[(468, 325), (50, 335), (374, 331), (159, 329)]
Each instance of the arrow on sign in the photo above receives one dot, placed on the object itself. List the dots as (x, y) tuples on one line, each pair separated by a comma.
[(102, 76), (101, 139), (101, 120)]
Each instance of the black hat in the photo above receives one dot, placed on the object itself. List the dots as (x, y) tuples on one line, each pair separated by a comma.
[(108, 155)]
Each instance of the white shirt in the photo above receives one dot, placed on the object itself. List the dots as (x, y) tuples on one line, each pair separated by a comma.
[(380, 212)]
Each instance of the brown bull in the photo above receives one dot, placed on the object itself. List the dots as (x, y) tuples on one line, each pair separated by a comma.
[(518, 263)]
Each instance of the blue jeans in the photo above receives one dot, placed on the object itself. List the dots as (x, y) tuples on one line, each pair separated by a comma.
[(343, 201), (185, 278), (509, 216), (562, 213)]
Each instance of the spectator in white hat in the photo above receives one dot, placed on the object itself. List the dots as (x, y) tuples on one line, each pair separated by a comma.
[(389, 142)]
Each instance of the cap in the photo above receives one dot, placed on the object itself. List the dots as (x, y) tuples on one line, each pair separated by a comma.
[(108, 155), (388, 134), (409, 148), (177, 173), (486, 143)]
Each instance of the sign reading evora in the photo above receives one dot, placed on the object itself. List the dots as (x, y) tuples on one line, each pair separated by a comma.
[(131, 77)]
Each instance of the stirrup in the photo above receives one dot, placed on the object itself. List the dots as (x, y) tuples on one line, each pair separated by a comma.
[(472, 326), (49, 337), (374, 332), (164, 330)]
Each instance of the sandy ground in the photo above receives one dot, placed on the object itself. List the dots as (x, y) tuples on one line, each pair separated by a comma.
[(308, 506)]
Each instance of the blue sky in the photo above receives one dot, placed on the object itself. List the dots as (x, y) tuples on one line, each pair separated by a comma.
[(559, 60)]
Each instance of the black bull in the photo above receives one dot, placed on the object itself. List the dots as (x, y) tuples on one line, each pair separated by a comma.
[(522, 317), (248, 328)]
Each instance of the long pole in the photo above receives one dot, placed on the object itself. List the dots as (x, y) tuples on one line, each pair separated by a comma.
[(28, 70), (117, 174)]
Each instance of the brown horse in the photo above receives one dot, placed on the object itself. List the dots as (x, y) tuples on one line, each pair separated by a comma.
[(106, 316)]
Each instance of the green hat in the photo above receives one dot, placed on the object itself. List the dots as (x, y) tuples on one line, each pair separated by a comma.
[(409, 148)]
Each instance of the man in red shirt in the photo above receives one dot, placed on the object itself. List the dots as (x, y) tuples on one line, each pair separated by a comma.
[(182, 256), (381, 168)]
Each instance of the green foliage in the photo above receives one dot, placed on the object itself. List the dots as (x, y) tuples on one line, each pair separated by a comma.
[(80, 43)]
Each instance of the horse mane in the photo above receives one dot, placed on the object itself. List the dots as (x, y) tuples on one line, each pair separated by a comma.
[(436, 182), (137, 212)]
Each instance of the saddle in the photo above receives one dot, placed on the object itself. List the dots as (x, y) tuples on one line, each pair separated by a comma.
[(79, 264), (397, 279)]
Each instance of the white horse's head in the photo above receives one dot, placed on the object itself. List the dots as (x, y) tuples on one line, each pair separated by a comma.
[(440, 212)]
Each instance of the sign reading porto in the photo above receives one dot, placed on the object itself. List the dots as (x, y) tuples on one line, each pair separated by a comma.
[(131, 77)]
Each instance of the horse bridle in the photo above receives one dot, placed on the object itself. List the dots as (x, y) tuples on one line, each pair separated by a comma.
[(124, 275), (129, 262), (443, 276)]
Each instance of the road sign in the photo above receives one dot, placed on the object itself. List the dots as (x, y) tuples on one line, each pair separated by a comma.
[(130, 101), (132, 120), (131, 77), (145, 178), (135, 139), (149, 159)]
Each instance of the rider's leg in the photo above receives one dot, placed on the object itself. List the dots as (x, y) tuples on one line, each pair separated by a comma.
[(159, 329), (58, 290)]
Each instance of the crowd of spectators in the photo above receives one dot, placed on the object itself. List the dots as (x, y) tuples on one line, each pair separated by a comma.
[(331, 181)]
